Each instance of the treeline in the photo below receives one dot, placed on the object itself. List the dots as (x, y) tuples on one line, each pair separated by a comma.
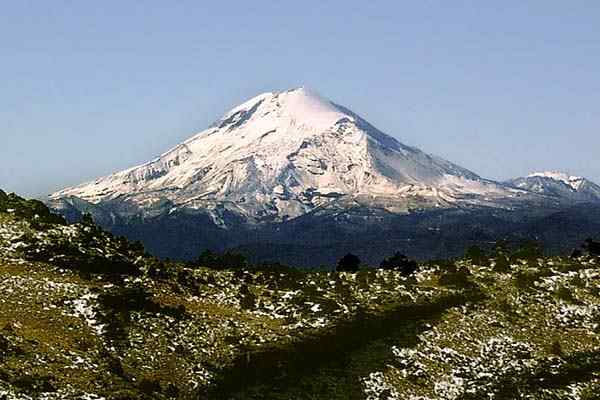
[(501, 254), (348, 263)]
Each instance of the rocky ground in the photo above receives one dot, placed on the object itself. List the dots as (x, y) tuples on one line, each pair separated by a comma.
[(85, 315)]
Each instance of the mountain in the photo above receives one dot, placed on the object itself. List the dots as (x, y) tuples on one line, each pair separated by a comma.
[(293, 171), (281, 155), (559, 185)]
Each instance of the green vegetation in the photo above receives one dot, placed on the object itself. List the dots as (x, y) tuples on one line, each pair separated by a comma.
[(86, 315), (400, 262), (348, 263), (35, 211)]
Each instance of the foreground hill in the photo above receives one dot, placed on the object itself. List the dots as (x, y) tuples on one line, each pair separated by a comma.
[(86, 315)]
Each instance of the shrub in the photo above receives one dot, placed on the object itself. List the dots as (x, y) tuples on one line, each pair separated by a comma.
[(502, 264), (556, 349), (35, 383), (400, 262), (525, 280), (248, 300), (458, 277), (592, 247), (476, 255), (528, 251), (87, 220), (226, 260), (149, 386), (565, 294), (348, 263)]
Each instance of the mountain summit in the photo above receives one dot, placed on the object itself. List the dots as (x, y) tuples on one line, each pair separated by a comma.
[(281, 155)]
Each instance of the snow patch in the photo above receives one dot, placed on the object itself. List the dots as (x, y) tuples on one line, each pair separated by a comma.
[(573, 181)]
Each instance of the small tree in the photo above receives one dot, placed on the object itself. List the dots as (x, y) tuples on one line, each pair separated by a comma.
[(476, 255), (88, 220), (221, 261), (592, 247), (400, 262), (208, 259), (234, 260), (348, 263), (502, 264)]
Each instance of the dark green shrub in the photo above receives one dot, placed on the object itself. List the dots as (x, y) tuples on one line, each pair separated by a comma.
[(556, 348), (592, 247), (35, 383), (502, 264), (476, 255), (458, 277), (227, 260), (528, 251), (348, 263), (525, 280), (565, 294), (400, 262), (114, 365), (248, 300), (149, 386)]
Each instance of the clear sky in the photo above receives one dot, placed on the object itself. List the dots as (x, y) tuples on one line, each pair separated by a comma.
[(500, 87)]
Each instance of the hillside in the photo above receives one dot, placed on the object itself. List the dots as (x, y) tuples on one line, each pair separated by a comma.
[(86, 315)]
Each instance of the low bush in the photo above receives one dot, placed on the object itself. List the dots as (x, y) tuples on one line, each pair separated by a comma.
[(348, 263), (399, 262)]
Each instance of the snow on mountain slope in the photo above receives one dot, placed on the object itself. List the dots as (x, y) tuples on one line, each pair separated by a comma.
[(559, 185), (280, 155), (574, 181)]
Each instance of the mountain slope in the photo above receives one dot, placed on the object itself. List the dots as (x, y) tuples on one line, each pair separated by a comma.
[(281, 155), (559, 185)]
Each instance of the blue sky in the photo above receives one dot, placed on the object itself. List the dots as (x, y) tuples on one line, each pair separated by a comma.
[(502, 88)]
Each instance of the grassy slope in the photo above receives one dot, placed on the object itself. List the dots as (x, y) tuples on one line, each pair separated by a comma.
[(71, 326)]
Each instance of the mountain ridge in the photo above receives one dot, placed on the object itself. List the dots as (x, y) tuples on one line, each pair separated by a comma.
[(559, 185)]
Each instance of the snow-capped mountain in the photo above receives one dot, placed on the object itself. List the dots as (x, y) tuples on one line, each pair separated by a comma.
[(281, 155), (559, 185), (293, 177)]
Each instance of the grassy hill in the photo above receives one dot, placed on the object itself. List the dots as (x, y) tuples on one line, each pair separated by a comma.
[(86, 315)]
